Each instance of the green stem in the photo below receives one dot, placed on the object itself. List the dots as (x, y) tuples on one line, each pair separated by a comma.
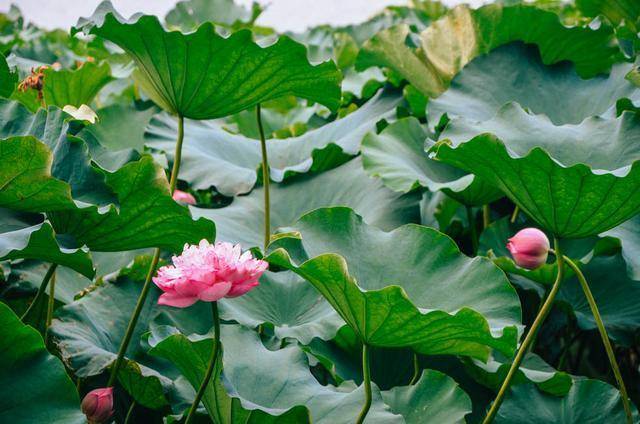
[(265, 180), (416, 370), (486, 216), (514, 215), (130, 412), (212, 363), (604, 336), (177, 157), (473, 230), (41, 290), (51, 303), (542, 314), (134, 319), (173, 181), (366, 376)]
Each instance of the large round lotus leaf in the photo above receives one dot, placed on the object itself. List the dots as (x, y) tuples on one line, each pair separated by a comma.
[(28, 236), (615, 294), (191, 355), (212, 156), (347, 185), (397, 155), (34, 385), (588, 401), (516, 73), (629, 235), (574, 180), (202, 75), (277, 381), (452, 41), (394, 289), (285, 300)]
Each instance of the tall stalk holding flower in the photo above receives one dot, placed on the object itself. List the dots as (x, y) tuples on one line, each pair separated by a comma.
[(207, 273)]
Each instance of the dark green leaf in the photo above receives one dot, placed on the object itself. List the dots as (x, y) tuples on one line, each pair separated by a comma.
[(202, 75), (389, 307), (34, 384)]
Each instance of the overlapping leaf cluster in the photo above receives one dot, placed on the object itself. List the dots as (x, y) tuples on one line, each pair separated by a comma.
[(398, 150)]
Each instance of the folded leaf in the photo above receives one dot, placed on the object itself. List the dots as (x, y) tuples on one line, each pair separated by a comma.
[(451, 42), (394, 289), (577, 185)]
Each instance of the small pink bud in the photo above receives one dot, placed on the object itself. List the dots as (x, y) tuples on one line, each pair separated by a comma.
[(184, 197), (529, 248), (97, 405)]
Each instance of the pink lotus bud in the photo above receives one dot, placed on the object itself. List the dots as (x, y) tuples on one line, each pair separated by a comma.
[(529, 248), (97, 405), (208, 272), (184, 197)]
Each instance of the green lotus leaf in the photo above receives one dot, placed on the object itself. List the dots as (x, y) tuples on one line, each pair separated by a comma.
[(242, 221), (35, 385), (213, 157), (397, 155), (629, 235), (88, 331), (532, 370), (70, 284), (75, 87), (187, 15), (202, 75), (435, 397), (616, 11), (517, 73), (147, 215), (118, 136), (191, 355), (26, 180), (293, 307), (8, 78), (68, 87), (614, 292), (588, 401), (388, 307), (245, 355), (59, 155), (451, 42), (571, 179), (28, 236)]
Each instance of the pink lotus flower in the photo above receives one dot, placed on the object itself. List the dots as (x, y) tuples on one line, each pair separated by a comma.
[(97, 405), (529, 248), (208, 272), (184, 197)]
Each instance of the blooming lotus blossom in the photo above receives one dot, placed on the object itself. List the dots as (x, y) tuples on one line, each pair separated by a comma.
[(208, 272), (184, 197), (97, 405), (529, 248)]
